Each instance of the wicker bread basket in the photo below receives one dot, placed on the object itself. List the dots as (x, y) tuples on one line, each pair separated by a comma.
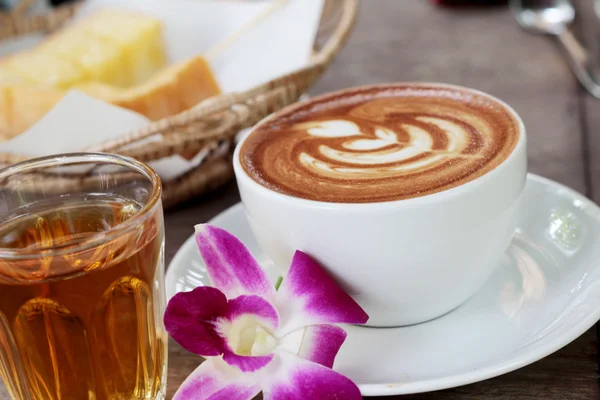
[(213, 123)]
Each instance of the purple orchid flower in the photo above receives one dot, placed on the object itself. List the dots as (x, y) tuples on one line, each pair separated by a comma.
[(255, 338)]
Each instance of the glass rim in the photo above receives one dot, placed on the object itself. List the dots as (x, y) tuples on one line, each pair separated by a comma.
[(99, 237)]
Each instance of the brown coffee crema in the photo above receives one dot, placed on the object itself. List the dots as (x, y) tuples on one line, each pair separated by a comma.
[(380, 143)]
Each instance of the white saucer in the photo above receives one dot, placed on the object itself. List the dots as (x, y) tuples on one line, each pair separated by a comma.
[(545, 293)]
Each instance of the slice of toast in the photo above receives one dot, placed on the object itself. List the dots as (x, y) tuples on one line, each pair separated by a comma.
[(169, 92), (119, 48), (115, 56)]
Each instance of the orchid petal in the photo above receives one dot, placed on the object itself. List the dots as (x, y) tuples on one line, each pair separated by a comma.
[(295, 378), (254, 305), (309, 296), (215, 380), (230, 265), (247, 363), (316, 343), (190, 319)]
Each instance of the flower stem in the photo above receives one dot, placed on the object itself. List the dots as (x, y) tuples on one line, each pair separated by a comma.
[(278, 283)]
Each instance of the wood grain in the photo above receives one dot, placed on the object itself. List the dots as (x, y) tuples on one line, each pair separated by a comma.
[(412, 40)]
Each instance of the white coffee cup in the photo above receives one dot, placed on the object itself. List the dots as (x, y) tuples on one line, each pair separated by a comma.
[(404, 261)]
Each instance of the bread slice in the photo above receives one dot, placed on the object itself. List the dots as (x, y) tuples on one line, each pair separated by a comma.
[(139, 37), (115, 56), (171, 91), (42, 69), (120, 48), (24, 105)]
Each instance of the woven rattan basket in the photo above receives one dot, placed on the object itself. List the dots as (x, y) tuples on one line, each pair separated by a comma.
[(213, 123)]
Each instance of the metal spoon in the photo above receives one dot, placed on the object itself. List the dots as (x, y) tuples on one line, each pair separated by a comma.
[(553, 17)]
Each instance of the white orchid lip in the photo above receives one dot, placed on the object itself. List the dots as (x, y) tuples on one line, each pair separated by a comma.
[(247, 336), (256, 338)]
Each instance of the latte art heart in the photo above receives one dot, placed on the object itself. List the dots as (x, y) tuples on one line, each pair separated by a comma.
[(380, 146)]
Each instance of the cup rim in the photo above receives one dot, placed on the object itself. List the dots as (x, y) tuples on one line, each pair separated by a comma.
[(100, 237), (435, 197)]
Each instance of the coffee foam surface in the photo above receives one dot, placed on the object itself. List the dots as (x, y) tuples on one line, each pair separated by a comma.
[(380, 143)]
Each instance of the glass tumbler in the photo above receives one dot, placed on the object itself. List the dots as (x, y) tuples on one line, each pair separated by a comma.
[(82, 279)]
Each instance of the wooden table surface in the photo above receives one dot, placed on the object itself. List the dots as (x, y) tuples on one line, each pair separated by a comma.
[(483, 48)]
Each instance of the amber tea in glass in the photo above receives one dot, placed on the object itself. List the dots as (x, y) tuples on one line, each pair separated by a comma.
[(81, 279)]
